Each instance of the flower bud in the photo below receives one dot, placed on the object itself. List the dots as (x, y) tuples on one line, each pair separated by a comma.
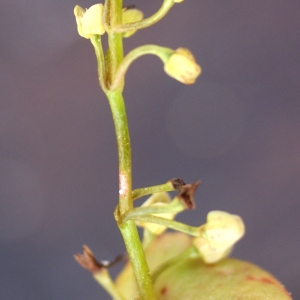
[(218, 235), (89, 22), (130, 15), (182, 66), (155, 200)]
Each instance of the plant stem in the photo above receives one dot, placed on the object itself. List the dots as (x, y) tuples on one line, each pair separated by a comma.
[(128, 229), (178, 226), (117, 106), (116, 102), (173, 207), (171, 185), (138, 260), (115, 43), (162, 52)]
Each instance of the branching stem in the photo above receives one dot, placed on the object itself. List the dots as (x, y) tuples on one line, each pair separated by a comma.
[(116, 102)]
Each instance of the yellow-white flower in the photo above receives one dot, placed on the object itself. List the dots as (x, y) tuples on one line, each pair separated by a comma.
[(155, 200), (218, 235), (182, 66), (89, 22)]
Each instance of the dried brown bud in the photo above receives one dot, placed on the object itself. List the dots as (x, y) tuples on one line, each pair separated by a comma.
[(177, 183), (87, 260), (186, 194)]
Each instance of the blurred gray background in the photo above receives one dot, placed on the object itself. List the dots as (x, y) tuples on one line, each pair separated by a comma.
[(237, 129)]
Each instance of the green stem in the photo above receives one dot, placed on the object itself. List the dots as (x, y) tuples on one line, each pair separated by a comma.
[(117, 106), (171, 185), (138, 260), (167, 4), (115, 43), (128, 229), (173, 207), (194, 231), (162, 52)]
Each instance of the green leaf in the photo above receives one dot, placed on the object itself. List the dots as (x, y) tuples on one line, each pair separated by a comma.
[(192, 279)]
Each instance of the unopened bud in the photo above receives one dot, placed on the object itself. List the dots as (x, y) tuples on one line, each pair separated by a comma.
[(182, 66)]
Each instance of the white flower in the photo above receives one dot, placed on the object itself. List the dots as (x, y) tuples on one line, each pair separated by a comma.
[(218, 235), (89, 22)]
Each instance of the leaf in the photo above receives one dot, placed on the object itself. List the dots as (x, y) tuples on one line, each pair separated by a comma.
[(192, 279)]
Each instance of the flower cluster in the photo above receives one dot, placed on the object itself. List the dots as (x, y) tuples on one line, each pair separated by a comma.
[(214, 240), (179, 64)]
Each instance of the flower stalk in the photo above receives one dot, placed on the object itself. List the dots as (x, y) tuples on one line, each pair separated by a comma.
[(128, 229), (180, 64), (171, 185), (162, 52), (173, 207), (178, 226), (116, 102), (96, 42)]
